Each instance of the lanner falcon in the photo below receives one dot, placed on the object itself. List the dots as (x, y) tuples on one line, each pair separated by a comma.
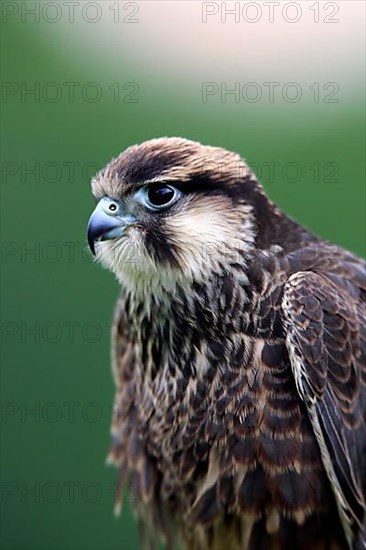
[(239, 357)]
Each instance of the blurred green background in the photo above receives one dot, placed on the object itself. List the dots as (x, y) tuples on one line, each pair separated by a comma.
[(56, 306)]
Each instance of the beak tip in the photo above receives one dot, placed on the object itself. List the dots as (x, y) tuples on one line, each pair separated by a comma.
[(92, 247), (91, 239)]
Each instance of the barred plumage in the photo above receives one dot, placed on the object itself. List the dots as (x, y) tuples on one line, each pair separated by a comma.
[(239, 351)]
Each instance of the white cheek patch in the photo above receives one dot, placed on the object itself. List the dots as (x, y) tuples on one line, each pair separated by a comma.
[(206, 238), (198, 228)]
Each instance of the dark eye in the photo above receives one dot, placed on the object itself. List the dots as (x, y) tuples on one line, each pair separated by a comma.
[(161, 195)]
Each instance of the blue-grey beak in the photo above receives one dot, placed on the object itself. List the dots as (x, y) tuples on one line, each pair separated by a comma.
[(109, 220)]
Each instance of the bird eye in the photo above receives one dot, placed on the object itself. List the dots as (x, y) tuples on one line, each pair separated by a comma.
[(112, 207), (161, 196)]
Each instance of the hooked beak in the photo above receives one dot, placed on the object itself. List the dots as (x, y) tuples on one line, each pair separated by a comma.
[(108, 221)]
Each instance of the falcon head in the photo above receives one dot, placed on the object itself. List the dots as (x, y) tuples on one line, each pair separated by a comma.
[(172, 210)]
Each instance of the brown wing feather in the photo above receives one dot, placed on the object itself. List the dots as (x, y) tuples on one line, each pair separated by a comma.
[(326, 344)]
